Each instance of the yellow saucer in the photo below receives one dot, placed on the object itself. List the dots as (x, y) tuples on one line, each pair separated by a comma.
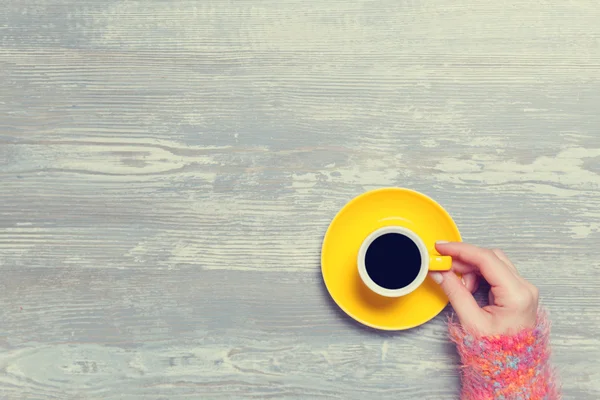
[(363, 215)]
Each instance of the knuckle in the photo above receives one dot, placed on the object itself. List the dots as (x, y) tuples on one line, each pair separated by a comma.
[(489, 253), (490, 256), (498, 252), (526, 297), (524, 302), (535, 292)]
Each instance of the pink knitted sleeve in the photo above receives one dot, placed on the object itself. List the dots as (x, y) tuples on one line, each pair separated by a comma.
[(506, 367)]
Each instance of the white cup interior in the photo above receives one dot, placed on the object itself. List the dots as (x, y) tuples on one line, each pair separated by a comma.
[(362, 268)]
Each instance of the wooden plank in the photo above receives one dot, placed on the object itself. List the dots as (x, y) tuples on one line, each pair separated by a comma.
[(168, 170)]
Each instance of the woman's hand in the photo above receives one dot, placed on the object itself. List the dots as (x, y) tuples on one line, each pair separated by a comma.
[(513, 302)]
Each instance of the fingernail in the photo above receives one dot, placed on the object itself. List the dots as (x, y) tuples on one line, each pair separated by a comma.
[(437, 277), (442, 242), (463, 281)]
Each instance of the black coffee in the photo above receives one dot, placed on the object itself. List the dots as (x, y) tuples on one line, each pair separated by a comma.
[(393, 261)]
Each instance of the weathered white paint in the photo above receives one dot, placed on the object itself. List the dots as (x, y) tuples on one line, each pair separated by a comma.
[(168, 169)]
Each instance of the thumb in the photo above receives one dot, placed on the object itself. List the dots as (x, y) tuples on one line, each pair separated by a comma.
[(464, 304)]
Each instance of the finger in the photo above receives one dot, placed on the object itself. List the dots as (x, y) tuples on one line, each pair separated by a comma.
[(464, 268), (470, 275), (462, 300), (467, 269), (471, 281), (490, 266), (503, 257)]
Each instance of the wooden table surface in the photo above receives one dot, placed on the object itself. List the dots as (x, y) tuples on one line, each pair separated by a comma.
[(168, 170)]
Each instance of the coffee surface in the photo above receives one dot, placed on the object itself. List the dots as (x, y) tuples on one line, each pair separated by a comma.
[(393, 261)]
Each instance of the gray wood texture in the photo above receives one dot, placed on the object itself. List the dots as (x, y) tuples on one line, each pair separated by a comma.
[(168, 170)]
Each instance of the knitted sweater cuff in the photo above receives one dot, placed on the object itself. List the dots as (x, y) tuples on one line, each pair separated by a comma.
[(506, 367)]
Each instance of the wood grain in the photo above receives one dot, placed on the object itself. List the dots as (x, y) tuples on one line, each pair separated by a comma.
[(168, 170)]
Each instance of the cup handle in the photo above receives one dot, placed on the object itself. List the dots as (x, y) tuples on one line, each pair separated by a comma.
[(440, 263)]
